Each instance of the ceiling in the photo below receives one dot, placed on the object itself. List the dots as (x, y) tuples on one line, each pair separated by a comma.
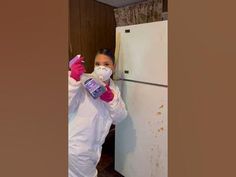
[(119, 3)]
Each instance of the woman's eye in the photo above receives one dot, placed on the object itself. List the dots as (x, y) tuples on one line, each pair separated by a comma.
[(96, 64), (106, 64)]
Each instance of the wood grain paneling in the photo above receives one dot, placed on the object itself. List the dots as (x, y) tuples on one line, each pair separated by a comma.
[(165, 5), (92, 26)]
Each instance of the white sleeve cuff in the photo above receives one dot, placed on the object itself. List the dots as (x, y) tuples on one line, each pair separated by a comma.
[(72, 81)]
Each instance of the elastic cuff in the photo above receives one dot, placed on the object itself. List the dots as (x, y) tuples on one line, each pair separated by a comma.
[(73, 82), (113, 102)]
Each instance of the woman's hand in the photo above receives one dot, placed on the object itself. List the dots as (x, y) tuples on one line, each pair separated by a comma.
[(77, 69), (108, 95)]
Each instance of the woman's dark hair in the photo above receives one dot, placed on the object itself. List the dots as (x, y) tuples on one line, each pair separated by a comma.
[(107, 52)]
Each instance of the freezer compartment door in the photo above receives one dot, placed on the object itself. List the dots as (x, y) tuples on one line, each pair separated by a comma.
[(142, 54), (141, 139)]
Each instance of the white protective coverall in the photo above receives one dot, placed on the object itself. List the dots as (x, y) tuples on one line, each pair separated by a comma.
[(89, 123)]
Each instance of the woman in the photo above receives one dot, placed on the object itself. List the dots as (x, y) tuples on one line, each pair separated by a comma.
[(90, 119)]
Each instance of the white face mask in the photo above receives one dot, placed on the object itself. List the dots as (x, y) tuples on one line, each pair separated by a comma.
[(104, 73)]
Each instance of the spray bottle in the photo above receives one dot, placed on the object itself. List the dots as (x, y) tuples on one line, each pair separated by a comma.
[(91, 83)]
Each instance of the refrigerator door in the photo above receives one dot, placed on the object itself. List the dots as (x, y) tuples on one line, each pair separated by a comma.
[(142, 54), (141, 139)]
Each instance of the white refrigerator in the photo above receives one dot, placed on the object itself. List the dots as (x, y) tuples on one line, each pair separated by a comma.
[(141, 139)]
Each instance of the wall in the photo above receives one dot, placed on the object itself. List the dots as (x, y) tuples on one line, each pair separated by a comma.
[(92, 26), (165, 5)]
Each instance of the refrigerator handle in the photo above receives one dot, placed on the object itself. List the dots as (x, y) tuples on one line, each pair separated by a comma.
[(126, 72)]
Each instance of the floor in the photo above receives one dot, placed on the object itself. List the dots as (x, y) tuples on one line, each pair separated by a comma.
[(106, 164), (106, 167)]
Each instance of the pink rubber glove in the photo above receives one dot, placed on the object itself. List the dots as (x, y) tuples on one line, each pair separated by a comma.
[(77, 69), (108, 95)]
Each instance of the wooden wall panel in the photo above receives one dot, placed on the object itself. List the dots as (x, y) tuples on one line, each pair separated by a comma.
[(92, 26), (165, 5)]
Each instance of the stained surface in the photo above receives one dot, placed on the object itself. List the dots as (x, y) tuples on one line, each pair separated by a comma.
[(142, 137)]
